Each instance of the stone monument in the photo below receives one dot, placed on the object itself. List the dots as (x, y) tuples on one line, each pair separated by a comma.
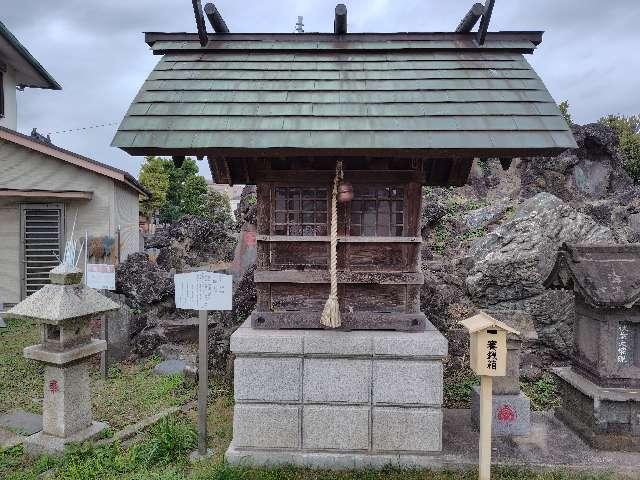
[(64, 309), (601, 389)]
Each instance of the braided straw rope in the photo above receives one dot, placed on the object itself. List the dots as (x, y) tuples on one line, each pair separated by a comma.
[(331, 313)]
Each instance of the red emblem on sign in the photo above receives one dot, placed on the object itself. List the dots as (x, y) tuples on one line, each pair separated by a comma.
[(54, 387), (506, 413)]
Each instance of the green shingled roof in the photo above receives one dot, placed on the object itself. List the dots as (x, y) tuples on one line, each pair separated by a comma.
[(435, 94)]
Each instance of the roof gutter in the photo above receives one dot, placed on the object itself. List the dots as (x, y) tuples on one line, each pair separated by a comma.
[(24, 53)]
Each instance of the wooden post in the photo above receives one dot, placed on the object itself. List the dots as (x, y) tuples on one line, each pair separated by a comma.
[(203, 382), (215, 19), (471, 18), (486, 398), (202, 27), (340, 22)]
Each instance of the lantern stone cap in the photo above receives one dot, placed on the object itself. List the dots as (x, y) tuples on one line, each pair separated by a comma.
[(54, 304), (65, 275), (482, 321), (40, 353)]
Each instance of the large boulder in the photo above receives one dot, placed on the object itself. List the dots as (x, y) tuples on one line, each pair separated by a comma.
[(511, 262), (143, 281)]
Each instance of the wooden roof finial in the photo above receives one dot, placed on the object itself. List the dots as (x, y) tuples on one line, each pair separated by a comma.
[(202, 28), (215, 19), (486, 20), (471, 18), (340, 22)]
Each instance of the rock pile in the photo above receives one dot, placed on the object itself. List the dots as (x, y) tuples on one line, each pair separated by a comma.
[(491, 243)]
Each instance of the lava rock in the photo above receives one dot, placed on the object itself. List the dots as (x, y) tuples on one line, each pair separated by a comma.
[(143, 281), (511, 262)]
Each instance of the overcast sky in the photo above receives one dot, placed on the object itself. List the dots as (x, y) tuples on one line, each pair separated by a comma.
[(590, 54)]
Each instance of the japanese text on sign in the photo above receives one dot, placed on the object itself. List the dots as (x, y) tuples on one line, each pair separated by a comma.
[(492, 354), (203, 291)]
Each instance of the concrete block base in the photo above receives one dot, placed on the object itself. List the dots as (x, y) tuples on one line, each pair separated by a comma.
[(511, 414), (606, 418), (44, 444), (336, 399), (333, 461)]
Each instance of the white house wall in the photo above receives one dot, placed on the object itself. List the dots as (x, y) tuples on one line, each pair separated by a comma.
[(112, 204), (127, 217), (9, 248), (10, 119)]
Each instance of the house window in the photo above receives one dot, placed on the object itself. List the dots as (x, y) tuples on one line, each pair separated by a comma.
[(377, 211), (300, 211)]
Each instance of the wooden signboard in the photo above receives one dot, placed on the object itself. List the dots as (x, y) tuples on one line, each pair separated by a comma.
[(488, 360)]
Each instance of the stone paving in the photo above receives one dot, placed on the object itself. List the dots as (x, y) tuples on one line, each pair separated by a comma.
[(170, 367), (21, 422), (550, 444)]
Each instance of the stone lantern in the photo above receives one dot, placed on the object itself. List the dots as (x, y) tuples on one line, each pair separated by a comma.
[(601, 389), (64, 309)]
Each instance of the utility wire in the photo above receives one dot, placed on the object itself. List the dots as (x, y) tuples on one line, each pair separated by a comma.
[(84, 128)]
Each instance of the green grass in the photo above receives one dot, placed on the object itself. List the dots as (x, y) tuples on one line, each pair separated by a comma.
[(131, 393), (21, 381)]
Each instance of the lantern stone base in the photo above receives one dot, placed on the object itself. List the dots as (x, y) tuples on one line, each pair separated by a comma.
[(42, 443), (511, 414), (333, 398), (606, 418)]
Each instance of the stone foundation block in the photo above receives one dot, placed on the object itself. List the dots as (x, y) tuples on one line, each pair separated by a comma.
[(266, 426), (267, 379), (403, 382), (407, 429), (337, 380), (511, 414), (337, 399), (606, 418), (335, 428)]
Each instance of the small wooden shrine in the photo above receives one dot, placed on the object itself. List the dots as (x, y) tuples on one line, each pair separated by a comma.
[(601, 399), (398, 110)]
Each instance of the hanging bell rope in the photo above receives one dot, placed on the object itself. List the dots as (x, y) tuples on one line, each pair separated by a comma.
[(331, 313)]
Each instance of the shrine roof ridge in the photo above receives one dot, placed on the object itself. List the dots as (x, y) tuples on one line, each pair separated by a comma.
[(514, 41)]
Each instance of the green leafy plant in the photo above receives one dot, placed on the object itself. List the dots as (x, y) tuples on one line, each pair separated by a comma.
[(564, 110), (543, 393), (628, 131), (169, 440)]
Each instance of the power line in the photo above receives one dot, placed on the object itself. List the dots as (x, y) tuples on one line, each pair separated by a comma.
[(84, 128)]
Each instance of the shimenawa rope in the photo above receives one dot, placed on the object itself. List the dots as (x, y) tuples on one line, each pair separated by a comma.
[(331, 313)]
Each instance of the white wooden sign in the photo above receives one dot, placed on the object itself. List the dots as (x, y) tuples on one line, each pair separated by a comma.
[(101, 276), (203, 291)]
